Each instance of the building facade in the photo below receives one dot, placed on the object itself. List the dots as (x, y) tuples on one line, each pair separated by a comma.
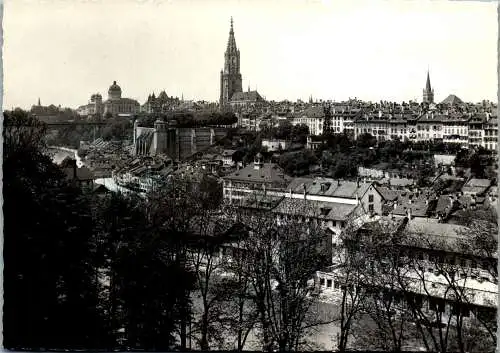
[(114, 105)]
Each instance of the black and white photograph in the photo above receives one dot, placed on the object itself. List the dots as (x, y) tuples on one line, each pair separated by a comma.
[(237, 175)]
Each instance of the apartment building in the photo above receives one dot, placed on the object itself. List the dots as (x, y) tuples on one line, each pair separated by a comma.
[(490, 131), (313, 117), (429, 256)]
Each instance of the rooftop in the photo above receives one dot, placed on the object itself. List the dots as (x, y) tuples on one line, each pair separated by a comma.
[(268, 173), (329, 187), (315, 209)]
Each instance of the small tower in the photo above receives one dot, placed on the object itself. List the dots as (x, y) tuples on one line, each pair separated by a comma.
[(428, 93), (39, 104), (136, 125), (258, 161), (160, 137)]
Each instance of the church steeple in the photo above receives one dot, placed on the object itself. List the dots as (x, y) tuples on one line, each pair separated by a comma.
[(230, 81), (428, 93)]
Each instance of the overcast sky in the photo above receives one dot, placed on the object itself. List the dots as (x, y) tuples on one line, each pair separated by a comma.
[(64, 50)]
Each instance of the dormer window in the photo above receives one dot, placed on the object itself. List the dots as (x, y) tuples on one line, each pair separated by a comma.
[(325, 210), (325, 186)]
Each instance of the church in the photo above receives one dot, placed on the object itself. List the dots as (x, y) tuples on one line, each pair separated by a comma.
[(231, 87)]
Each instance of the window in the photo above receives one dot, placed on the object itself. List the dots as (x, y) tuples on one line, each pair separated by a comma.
[(337, 286), (329, 283), (321, 282), (370, 198), (436, 304), (370, 207)]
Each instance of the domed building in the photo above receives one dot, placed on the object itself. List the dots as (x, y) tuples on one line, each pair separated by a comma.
[(114, 92), (116, 105)]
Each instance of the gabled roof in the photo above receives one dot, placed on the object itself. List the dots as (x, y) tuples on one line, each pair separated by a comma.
[(476, 186), (387, 193), (251, 96), (315, 209), (311, 112), (329, 187), (268, 173), (452, 100), (449, 233), (228, 153)]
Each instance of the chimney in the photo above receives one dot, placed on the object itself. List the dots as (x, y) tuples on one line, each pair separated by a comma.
[(305, 191), (408, 212), (290, 192)]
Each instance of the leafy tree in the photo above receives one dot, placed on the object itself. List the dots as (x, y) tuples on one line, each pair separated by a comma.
[(297, 163), (366, 140), (49, 278)]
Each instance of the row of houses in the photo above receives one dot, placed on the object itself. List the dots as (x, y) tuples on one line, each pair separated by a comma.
[(414, 212), (463, 128)]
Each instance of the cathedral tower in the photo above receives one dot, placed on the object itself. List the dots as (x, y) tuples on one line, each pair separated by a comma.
[(428, 96), (230, 77)]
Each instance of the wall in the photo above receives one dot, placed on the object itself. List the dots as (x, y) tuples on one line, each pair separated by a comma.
[(377, 200)]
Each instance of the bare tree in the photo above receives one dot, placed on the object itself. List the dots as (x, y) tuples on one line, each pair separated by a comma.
[(241, 312), (352, 261), (441, 281), (283, 254), (204, 258), (387, 324)]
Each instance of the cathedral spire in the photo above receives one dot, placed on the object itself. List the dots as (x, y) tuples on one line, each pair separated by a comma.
[(428, 83), (230, 80), (231, 43), (428, 94)]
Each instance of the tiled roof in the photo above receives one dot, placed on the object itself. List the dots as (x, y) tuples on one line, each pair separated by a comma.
[(478, 183), (228, 153), (269, 173), (246, 96), (449, 233), (452, 100), (388, 194), (401, 181), (315, 209), (419, 205), (331, 187), (476, 186)]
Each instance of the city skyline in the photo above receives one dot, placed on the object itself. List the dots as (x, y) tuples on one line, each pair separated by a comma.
[(330, 50)]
